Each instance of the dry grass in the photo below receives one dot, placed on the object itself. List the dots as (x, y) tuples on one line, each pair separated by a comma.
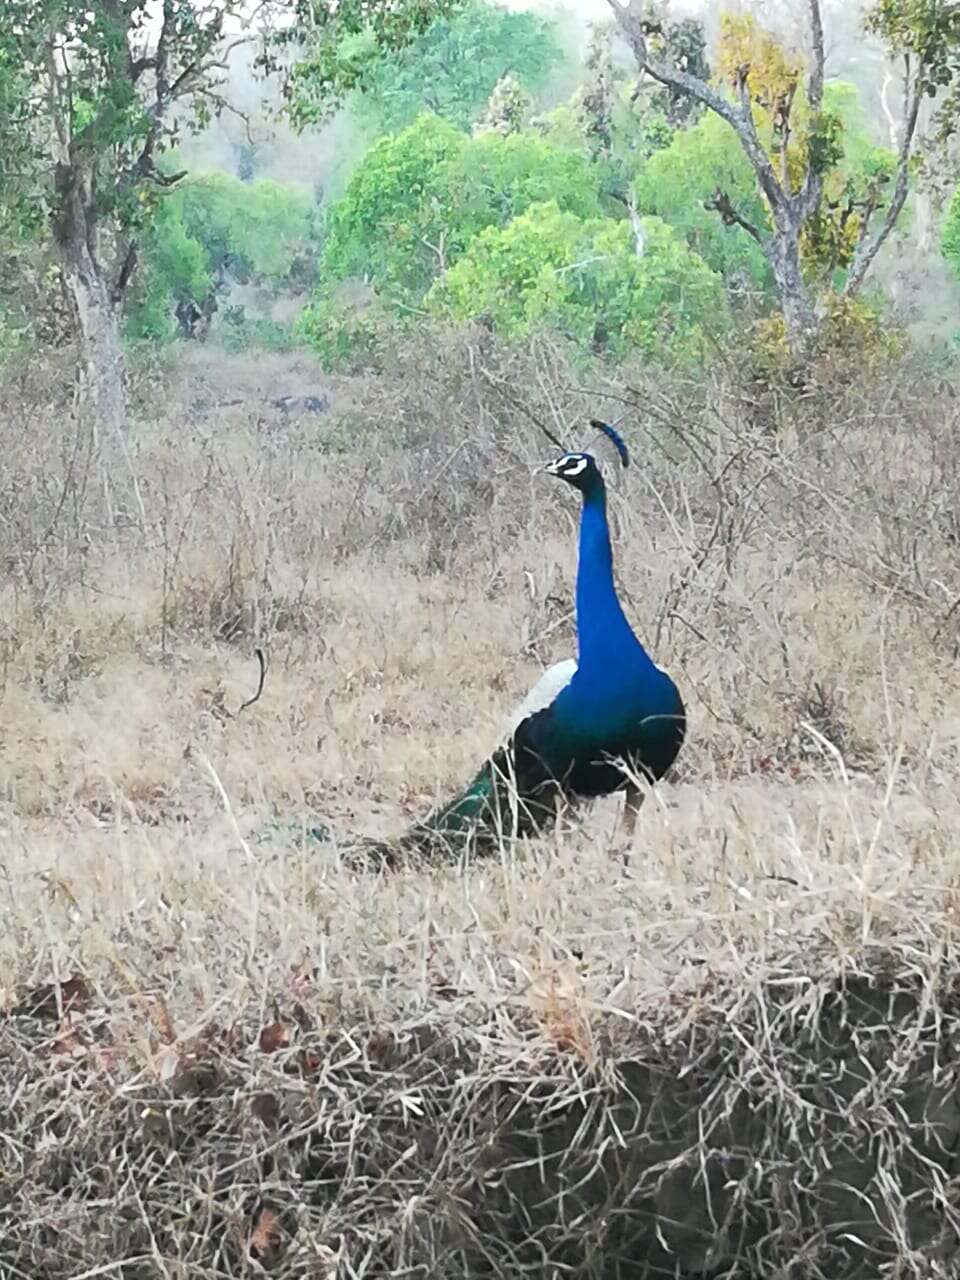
[(263, 1042)]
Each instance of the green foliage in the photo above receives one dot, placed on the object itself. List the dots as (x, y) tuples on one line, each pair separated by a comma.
[(928, 30), (96, 105), (855, 338), (340, 44), (950, 236), (21, 152), (240, 332), (681, 182), (824, 141), (858, 176), (927, 34), (257, 228), (494, 178), (681, 44), (451, 69), (345, 337), (549, 269), (678, 184), (391, 206), (618, 126), (418, 198), (14, 339), (93, 97), (508, 108), (212, 227)]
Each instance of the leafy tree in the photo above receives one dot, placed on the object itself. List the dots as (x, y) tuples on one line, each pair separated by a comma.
[(346, 334), (792, 150), (608, 115), (508, 108), (451, 69), (209, 229), (679, 185), (927, 33), (705, 171), (495, 178), (622, 123), (418, 198), (684, 45), (98, 113), (256, 229), (855, 187), (92, 94), (584, 277), (394, 204)]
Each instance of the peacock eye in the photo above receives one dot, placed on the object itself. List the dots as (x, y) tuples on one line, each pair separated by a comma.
[(574, 466)]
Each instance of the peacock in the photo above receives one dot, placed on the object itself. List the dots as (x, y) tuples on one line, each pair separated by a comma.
[(590, 727)]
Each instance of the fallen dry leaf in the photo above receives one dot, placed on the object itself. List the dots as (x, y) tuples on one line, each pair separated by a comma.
[(276, 1036), (266, 1239)]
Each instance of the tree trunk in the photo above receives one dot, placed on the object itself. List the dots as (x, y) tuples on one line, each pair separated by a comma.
[(101, 363), (799, 313), (97, 311)]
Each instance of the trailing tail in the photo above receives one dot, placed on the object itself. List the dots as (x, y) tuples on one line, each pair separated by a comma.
[(500, 804)]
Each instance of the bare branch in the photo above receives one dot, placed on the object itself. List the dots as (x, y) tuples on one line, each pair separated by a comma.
[(167, 179), (867, 250), (263, 675), (812, 190), (639, 240), (721, 204), (815, 81), (54, 89), (740, 118), (891, 123), (220, 104), (160, 57), (781, 122)]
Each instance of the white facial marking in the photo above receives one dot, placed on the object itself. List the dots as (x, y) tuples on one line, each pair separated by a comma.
[(574, 468)]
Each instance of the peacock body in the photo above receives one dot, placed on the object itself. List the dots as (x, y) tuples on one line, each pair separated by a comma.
[(588, 726)]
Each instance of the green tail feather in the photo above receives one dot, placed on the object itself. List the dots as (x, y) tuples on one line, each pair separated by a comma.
[(495, 807)]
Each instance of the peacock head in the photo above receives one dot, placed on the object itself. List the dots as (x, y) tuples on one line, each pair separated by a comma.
[(581, 470), (578, 469)]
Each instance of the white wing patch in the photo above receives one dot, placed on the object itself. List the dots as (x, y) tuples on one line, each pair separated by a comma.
[(543, 693)]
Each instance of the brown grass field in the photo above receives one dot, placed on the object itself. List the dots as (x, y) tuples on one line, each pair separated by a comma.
[(728, 1050)]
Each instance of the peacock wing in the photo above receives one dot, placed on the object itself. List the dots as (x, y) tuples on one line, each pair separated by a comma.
[(544, 691)]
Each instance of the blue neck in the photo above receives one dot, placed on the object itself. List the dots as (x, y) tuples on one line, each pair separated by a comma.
[(603, 633)]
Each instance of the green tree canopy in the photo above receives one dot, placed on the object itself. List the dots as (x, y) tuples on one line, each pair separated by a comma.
[(418, 198), (678, 184), (451, 69), (93, 92), (589, 279), (391, 207)]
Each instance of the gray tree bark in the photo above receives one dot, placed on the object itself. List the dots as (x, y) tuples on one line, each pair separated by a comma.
[(93, 294), (800, 316)]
